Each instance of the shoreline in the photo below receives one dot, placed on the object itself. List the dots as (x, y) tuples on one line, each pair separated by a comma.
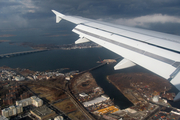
[(140, 86), (107, 77), (2, 41)]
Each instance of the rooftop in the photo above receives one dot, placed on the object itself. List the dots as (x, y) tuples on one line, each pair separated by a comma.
[(96, 100), (42, 111)]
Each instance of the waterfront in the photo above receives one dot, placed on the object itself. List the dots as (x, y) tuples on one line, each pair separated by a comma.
[(77, 59)]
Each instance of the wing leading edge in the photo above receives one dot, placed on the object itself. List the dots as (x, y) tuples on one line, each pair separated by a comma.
[(155, 51)]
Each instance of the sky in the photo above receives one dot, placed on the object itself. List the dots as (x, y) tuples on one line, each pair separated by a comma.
[(36, 15)]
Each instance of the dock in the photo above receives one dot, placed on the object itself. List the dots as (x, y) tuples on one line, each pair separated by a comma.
[(7, 55)]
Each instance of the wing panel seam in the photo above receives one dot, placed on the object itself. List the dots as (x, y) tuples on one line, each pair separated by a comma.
[(157, 57), (136, 39)]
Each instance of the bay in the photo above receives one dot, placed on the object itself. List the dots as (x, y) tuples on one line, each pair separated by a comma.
[(78, 59)]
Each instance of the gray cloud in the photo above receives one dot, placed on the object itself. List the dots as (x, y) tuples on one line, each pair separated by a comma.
[(37, 14), (147, 20)]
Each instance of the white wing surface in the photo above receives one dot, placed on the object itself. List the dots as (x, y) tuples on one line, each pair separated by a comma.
[(155, 51)]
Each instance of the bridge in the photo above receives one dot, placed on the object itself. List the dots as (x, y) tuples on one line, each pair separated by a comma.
[(98, 66), (20, 53)]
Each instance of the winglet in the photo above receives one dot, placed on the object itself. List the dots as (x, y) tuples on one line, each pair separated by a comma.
[(59, 16)]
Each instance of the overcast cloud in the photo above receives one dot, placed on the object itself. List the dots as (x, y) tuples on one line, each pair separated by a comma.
[(147, 20), (151, 14)]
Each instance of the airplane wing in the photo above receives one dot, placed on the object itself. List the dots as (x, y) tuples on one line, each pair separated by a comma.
[(155, 51)]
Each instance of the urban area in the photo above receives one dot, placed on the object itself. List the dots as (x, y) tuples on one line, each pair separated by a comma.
[(63, 47), (59, 95)]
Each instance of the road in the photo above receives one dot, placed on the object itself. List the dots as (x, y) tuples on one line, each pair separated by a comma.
[(78, 104)]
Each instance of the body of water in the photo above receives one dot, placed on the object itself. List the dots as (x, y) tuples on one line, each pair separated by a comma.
[(78, 59)]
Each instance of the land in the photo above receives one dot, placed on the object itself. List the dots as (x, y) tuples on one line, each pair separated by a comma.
[(148, 83), (149, 94), (83, 83), (4, 41), (76, 95), (55, 46), (7, 35), (51, 87)]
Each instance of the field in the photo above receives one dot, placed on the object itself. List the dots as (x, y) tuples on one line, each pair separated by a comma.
[(66, 106), (77, 116), (84, 83)]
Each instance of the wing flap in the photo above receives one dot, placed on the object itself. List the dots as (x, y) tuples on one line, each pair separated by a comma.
[(133, 54), (124, 64)]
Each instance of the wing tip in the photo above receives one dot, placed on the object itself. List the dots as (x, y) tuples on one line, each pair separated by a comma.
[(57, 13)]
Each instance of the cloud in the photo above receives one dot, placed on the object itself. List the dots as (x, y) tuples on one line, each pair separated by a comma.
[(37, 14), (12, 11), (147, 20)]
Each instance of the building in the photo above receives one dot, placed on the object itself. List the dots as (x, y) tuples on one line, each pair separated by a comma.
[(96, 101), (8, 101), (18, 78), (19, 109), (36, 101), (59, 118), (83, 95), (25, 95), (30, 101), (12, 110), (155, 98), (67, 78), (30, 78), (43, 113)]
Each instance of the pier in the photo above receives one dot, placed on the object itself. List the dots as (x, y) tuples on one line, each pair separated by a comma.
[(20, 53)]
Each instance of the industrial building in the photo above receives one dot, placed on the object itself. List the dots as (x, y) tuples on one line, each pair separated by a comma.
[(96, 101), (12, 110), (83, 95), (30, 101), (43, 113), (109, 109)]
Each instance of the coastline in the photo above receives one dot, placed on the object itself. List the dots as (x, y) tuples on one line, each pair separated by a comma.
[(1, 41), (139, 86), (107, 77)]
